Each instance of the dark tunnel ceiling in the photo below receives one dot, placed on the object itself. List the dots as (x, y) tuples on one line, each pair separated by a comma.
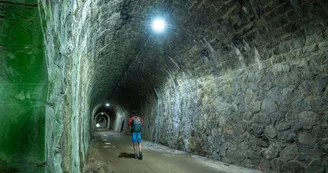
[(136, 60)]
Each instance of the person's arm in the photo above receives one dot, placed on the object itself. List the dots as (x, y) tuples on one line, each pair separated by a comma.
[(129, 123)]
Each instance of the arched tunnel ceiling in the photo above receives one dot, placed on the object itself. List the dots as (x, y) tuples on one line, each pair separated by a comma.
[(212, 32), (123, 32)]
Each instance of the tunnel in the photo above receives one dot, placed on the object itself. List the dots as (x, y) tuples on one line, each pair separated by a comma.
[(240, 82)]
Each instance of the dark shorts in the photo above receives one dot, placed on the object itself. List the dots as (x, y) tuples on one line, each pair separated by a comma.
[(136, 137)]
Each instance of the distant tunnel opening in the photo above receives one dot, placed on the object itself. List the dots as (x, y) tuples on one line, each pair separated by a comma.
[(104, 118)]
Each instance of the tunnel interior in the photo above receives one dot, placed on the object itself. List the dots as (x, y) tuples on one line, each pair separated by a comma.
[(105, 117), (242, 82)]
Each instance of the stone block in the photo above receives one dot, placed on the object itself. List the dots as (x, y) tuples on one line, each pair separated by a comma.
[(252, 140), (274, 94), (291, 27), (278, 117), (298, 43), (319, 103), (289, 152), (302, 105), (291, 137), (283, 135), (270, 131), (278, 165), (306, 138), (321, 84), (308, 117), (283, 126), (278, 144), (264, 165), (240, 128), (271, 152), (301, 126), (306, 87), (316, 166), (263, 142), (261, 119), (311, 39), (248, 116), (268, 106), (296, 167), (257, 130), (247, 163)]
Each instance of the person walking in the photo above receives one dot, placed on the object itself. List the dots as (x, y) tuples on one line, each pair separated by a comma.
[(135, 123)]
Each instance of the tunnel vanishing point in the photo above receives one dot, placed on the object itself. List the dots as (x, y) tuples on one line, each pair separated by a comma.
[(244, 82)]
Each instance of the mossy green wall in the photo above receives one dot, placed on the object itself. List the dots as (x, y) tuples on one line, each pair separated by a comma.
[(23, 87)]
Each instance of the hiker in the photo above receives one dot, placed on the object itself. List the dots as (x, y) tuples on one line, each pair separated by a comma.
[(135, 123)]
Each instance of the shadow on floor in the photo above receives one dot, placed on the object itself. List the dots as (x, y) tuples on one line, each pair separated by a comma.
[(126, 155)]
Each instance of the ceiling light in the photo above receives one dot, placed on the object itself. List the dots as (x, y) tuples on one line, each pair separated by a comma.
[(158, 25)]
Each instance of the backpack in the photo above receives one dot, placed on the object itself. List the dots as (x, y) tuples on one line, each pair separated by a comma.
[(136, 125)]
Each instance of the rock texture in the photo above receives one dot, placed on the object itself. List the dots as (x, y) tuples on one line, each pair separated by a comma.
[(244, 82), (23, 88), (241, 82), (85, 61)]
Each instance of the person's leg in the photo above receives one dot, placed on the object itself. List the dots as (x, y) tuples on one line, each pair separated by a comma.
[(134, 149), (140, 147), (134, 142), (139, 144)]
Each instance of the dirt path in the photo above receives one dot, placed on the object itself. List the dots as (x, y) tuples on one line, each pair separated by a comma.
[(112, 152)]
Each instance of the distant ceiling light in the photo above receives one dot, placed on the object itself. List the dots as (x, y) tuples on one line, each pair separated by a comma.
[(97, 125), (107, 104), (102, 113), (158, 25)]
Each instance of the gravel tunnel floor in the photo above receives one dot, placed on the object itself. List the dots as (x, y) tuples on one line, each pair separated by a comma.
[(112, 152)]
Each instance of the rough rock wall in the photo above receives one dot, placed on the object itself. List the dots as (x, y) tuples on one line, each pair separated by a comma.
[(122, 114), (261, 109), (79, 38), (69, 50), (23, 87)]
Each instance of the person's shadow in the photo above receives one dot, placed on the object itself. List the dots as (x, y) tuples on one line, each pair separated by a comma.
[(126, 155)]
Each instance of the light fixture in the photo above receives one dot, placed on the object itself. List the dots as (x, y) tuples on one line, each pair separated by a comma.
[(107, 104), (158, 25), (102, 113), (97, 125)]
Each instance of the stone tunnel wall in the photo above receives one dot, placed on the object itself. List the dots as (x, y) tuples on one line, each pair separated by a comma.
[(23, 88), (70, 39), (67, 115), (122, 114), (78, 38), (270, 114)]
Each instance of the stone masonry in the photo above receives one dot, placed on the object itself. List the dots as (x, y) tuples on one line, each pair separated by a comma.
[(247, 93)]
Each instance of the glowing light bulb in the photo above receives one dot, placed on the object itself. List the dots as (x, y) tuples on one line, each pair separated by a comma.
[(158, 25)]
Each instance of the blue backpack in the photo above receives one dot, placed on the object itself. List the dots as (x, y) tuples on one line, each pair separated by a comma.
[(136, 125)]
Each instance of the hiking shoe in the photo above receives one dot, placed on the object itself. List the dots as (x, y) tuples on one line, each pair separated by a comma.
[(140, 156), (135, 156)]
